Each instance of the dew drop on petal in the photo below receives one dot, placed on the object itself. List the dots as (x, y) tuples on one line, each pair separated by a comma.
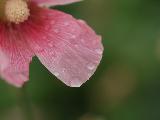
[(73, 36), (38, 48), (89, 75), (50, 45), (83, 41), (91, 66), (76, 45), (56, 30), (56, 74), (75, 82), (63, 70), (82, 21), (99, 51), (66, 23)]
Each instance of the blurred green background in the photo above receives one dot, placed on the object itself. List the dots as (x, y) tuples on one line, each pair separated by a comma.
[(126, 85)]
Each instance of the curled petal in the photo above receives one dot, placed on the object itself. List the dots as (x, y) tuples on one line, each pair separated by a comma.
[(69, 48), (54, 2), (15, 55)]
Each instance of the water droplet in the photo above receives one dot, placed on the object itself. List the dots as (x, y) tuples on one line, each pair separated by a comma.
[(91, 66), (73, 36), (75, 82), (66, 23), (56, 74), (56, 30), (82, 21), (38, 48), (50, 45), (89, 75), (63, 70), (76, 45), (99, 51), (83, 41)]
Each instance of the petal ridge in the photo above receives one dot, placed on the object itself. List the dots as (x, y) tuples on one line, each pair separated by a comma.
[(15, 55)]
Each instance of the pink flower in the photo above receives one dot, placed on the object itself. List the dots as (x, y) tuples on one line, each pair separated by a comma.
[(67, 47)]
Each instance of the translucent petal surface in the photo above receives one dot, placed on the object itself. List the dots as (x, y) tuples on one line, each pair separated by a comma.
[(15, 55), (69, 48)]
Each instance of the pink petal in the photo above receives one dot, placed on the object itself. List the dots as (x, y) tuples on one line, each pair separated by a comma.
[(69, 48), (54, 2), (15, 55)]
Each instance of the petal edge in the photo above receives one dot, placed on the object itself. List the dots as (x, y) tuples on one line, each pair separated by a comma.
[(67, 47), (54, 2)]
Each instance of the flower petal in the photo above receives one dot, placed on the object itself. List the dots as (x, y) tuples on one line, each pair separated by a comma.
[(15, 55), (69, 48), (54, 2)]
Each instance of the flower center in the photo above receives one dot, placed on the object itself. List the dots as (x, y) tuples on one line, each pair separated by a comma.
[(15, 11)]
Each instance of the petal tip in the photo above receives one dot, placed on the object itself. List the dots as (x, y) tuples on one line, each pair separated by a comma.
[(75, 85), (18, 85)]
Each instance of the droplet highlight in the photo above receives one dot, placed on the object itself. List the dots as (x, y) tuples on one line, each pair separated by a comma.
[(75, 82), (66, 23), (91, 66), (73, 36), (56, 30), (56, 74), (99, 51)]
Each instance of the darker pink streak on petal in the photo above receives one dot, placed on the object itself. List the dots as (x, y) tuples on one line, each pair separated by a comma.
[(15, 55), (54, 2), (67, 47)]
